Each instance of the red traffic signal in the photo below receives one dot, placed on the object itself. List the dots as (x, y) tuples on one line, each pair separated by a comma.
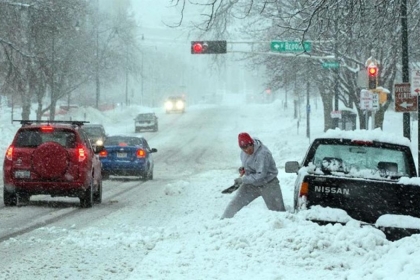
[(373, 71), (208, 47), (197, 47)]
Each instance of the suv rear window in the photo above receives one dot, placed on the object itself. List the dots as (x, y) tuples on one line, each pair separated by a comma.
[(145, 117), (31, 138), (118, 140)]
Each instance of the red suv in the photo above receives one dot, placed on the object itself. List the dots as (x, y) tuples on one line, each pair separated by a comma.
[(53, 158)]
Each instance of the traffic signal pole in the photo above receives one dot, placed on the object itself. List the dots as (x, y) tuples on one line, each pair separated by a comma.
[(405, 72), (406, 79), (336, 74)]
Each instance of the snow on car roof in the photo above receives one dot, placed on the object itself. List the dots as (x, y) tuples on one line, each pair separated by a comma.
[(367, 135)]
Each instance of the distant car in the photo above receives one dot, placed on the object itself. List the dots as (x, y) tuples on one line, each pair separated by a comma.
[(146, 121), (96, 133), (175, 104), (127, 156), (54, 158)]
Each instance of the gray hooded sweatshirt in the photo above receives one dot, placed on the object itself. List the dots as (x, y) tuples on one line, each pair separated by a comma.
[(260, 167)]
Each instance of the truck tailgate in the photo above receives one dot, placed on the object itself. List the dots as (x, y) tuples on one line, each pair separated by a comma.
[(363, 199)]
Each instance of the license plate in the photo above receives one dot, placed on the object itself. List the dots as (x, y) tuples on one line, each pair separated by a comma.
[(121, 154), (22, 174)]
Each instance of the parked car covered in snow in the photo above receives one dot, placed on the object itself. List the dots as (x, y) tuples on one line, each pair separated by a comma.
[(367, 176)]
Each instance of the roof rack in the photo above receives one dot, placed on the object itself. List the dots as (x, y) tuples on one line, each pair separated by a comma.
[(30, 122)]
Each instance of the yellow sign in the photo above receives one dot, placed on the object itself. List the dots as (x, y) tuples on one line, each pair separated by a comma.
[(383, 96)]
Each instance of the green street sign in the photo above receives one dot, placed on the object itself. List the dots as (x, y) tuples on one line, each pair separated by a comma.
[(331, 64), (278, 46)]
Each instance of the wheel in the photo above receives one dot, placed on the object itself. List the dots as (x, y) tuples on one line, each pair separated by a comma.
[(105, 176), (144, 176), (86, 201), (150, 176), (9, 198), (97, 196), (23, 197)]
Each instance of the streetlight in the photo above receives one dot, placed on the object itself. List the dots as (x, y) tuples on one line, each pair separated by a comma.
[(126, 76), (142, 78), (142, 71)]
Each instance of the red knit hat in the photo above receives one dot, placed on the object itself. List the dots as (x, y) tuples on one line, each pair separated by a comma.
[(244, 139)]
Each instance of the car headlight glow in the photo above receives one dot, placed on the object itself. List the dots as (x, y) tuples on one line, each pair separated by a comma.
[(180, 105), (169, 105)]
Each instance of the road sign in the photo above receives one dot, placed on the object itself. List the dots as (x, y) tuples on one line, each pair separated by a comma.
[(382, 94), (336, 114), (415, 81), (331, 64), (375, 101), (366, 100), (404, 101), (279, 46)]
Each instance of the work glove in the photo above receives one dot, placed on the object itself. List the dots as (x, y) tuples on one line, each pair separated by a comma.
[(238, 181), (241, 171)]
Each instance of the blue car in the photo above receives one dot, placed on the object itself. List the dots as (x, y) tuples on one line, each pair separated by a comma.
[(127, 156)]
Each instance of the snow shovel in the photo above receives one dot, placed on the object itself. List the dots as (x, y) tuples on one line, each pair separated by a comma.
[(231, 189)]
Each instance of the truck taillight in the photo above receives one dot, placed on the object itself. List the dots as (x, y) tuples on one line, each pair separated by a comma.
[(141, 153), (9, 153), (304, 189), (81, 153), (103, 153)]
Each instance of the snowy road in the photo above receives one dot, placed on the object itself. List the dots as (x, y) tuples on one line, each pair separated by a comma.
[(186, 145)]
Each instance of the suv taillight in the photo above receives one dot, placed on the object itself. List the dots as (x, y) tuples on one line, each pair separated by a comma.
[(141, 153), (47, 128), (9, 153), (103, 153), (81, 153)]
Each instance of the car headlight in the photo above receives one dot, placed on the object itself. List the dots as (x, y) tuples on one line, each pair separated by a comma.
[(169, 105), (180, 105), (99, 142)]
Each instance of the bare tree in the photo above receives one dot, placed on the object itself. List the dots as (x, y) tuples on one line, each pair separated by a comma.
[(345, 30), (51, 48)]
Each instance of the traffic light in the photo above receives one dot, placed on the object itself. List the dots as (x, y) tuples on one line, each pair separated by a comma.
[(208, 47), (373, 76)]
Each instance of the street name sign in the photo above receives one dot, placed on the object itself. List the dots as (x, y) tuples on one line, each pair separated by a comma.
[(290, 46), (331, 64), (404, 101), (336, 114)]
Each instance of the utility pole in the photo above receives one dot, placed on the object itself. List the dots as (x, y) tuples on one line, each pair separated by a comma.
[(98, 89), (126, 76), (308, 112)]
